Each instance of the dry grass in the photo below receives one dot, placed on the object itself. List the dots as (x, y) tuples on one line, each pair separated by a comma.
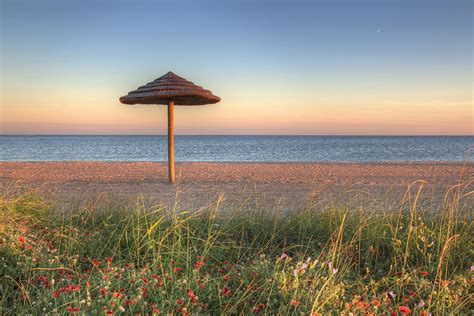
[(113, 257)]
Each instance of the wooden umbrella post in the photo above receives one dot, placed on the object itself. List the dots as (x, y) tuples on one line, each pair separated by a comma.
[(171, 141), (170, 90)]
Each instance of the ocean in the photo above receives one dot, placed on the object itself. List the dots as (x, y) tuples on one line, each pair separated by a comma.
[(238, 148)]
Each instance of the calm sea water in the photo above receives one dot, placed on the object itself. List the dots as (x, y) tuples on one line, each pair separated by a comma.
[(237, 148)]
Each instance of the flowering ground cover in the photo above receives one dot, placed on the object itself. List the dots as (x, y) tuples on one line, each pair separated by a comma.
[(115, 258)]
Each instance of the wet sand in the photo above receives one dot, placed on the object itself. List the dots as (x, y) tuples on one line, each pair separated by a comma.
[(198, 183)]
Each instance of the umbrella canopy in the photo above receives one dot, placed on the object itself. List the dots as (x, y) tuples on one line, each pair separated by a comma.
[(170, 87)]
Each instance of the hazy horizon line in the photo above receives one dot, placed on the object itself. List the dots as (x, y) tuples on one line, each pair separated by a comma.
[(303, 135)]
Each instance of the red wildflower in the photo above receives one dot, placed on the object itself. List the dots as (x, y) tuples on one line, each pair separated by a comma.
[(176, 269), (95, 262), (155, 310), (109, 259), (70, 287), (128, 302), (258, 307), (198, 264), (74, 288), (424, 273), (117, 294), (225, 291), (180, 302), (103, 291), (21, 239), (361, 305), (73, 309), (404, 310), (146, 280), (227, 278), (192, 296), (294, 303), (55, 293)]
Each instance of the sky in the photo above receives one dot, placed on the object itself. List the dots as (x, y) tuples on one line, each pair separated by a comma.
[(281, 67)]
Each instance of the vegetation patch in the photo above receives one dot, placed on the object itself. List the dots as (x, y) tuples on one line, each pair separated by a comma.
[(150, 260)]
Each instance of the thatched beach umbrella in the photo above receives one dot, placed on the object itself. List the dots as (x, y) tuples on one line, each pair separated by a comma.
[(171, 90)]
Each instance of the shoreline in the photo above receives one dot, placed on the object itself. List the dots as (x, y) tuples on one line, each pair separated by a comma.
[(391, 162)]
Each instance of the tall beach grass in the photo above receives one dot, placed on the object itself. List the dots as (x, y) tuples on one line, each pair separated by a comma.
[(135, 259)]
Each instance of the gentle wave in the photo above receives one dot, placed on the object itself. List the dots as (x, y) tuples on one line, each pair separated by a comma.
[(238, 148)]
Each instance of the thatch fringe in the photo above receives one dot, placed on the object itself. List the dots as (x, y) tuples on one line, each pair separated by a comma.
[(170, 87)]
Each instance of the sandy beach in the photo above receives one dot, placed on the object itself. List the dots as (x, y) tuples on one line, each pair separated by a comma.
[(198, 183)]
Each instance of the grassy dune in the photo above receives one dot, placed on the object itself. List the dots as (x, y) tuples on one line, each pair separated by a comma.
[(115, 258)]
